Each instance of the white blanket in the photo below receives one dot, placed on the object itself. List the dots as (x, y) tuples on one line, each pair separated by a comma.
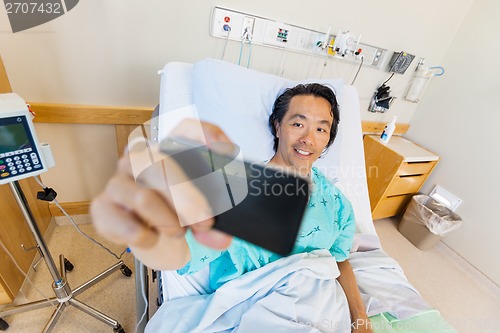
[(299, 293), (384, 287)]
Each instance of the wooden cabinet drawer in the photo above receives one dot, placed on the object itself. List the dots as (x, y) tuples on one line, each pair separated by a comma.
[(405, 184), (4, 296), (415, 168), (391, 206), (395, 172)]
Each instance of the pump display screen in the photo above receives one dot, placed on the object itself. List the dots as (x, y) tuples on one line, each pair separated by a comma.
[(19, 157), (13, 137)]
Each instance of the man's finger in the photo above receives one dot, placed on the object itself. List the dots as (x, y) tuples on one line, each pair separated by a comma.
[(148, 205), (119, 225), (212, 238)]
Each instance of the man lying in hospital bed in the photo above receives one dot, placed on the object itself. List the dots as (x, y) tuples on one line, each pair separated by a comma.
[(254, 289)]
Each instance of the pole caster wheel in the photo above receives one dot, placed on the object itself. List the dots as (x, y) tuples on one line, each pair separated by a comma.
[(68, 265), (125, 270), (3, 325), (119, 329)]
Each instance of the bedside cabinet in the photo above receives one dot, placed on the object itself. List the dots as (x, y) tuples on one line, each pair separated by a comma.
[(395, 172)]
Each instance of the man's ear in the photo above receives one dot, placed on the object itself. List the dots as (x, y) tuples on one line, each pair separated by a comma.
[(276, 128), (324, 152)]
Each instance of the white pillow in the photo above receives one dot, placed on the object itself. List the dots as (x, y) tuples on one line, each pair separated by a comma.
[(240, 101)]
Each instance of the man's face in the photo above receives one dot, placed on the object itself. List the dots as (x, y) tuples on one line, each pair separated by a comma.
[(303, 132)]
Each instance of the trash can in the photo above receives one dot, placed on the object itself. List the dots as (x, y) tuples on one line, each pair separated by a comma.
[(426, 221)]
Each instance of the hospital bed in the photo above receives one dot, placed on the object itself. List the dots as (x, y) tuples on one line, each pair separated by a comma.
[(239, 100)]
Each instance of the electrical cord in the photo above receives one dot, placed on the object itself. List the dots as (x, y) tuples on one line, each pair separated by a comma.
[(143, 293), (359, 68), (283, 61), (225, 44), (438, 67), (241, 51), (53, 303), (247, 36), (249, 53), (78, 229), (324, 67), (390, 77)]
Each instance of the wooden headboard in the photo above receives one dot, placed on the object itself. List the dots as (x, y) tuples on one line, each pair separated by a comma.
[(4, 79)]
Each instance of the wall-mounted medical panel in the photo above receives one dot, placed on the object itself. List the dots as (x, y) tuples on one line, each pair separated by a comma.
[(238, 26)]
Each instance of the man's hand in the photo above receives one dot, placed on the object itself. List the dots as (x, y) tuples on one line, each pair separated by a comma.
[(145, 218), (361, 325), (359, 319)]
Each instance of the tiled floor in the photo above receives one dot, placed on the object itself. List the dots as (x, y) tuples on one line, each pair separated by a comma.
[(113, 296), (465, 298)]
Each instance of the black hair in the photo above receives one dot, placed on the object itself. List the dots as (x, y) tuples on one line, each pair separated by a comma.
[(282, 103)]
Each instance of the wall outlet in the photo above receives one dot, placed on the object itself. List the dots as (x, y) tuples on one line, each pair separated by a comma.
[(277, 34), (302, 40), (248, 24)]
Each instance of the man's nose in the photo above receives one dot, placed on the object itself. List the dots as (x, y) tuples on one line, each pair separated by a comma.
[(307, 138)]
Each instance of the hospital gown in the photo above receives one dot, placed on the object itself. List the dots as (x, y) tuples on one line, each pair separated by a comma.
[(328, 223)]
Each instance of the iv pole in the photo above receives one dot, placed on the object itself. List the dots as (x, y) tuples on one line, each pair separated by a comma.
[(65, 296)]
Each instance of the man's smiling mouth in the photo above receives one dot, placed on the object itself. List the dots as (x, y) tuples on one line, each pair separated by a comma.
[(303, 152)]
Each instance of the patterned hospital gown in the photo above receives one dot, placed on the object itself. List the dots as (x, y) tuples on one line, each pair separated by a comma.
[(328, 223)]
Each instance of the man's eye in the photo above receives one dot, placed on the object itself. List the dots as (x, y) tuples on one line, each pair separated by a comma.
[(297, 124), (322, 130)]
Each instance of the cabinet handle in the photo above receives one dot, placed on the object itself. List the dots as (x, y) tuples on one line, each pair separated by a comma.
[(29, 249), (415, 175)]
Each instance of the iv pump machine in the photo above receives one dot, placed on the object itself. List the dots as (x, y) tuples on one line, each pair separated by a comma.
[(21, 155)]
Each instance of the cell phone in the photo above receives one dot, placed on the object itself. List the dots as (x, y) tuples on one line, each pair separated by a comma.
[(252, 201)]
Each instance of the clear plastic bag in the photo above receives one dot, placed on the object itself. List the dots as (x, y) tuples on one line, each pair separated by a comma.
[(439, 219)]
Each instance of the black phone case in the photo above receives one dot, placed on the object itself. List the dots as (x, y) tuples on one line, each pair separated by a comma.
[(270, 213)]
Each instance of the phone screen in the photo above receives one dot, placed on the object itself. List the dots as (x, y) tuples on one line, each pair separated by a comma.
[(252, 201)]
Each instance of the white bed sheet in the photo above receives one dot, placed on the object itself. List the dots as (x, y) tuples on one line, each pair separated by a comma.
[(296, 289), (177, 286)]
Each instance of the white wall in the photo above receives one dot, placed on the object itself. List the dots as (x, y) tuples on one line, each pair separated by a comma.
[(458, 119), (108, 53)]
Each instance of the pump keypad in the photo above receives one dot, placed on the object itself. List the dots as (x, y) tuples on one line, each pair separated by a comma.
[(19, 162)]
